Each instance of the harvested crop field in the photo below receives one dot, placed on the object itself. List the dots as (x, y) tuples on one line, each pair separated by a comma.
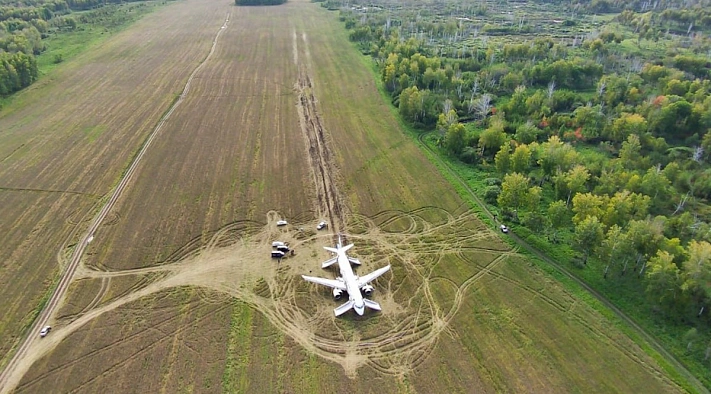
[(279, 118)]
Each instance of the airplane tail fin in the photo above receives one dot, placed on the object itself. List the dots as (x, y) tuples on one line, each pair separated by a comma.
[(337, 250), (344, 308), (371, 304)]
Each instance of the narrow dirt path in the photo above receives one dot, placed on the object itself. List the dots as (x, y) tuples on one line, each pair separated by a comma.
[(621, 315), (9, 378)]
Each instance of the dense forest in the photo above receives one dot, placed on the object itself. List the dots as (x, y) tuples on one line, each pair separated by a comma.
[(25, 25), (587, 124)]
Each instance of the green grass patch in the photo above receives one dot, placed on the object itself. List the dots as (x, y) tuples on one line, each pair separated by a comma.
[(63, 45), (235, 377)]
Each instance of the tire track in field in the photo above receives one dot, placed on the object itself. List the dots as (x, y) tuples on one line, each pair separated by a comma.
[(324, 170), (15, 367)]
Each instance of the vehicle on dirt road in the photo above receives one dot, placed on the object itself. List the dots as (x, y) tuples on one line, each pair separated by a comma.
[(504, 229), (321, 226), (45, 330), (281, 223)]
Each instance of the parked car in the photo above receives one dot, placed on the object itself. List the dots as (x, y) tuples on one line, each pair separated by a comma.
[(321, 226), (282, 223), (277, 244), (45, 330), (277, 254), (504, 229)]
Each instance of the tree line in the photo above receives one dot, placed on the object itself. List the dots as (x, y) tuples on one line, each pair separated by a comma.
[(24, 26)]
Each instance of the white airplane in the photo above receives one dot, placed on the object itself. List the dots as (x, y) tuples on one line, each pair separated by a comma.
[(349, 282)]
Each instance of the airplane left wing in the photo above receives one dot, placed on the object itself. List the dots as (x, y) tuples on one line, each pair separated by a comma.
[(343, 308), (329, 262), (363, 280), (336, 284)]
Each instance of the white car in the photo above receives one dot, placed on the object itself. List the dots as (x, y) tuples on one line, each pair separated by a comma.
[(504, 229), (321, 226), (282, 223), (45, 331)]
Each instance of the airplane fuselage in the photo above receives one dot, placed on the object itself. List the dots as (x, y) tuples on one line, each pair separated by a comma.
[(351, 281), (348, 281)]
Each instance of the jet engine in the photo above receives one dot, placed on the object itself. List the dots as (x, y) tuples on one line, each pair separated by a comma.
[(367, 290), (337, 293)]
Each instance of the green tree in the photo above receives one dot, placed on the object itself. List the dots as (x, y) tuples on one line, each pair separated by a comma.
[(630, 152), (446, 120), (521, 159), (515, 193), (491, 138), (590, 120), (455, 138), (571, 182), (558, 216), (586, 205), (656, 185), (646, 236), (502, 160), (535, 222), (588, 236), (556, 155), (626, 125), (624, 206), (527, 133), (697, 273), (664, 280), (411, 104), (615, 247)]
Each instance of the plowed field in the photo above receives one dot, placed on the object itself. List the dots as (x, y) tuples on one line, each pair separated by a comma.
[(281, 119)]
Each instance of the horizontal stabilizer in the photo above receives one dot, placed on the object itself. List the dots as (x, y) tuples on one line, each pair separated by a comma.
[(353, 260), (363, 280), (337, 250), (334, 283), (329, 262), (371, 304), (344, 308)]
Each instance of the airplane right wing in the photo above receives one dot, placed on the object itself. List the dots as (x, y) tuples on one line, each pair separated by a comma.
[(336, 284), (363, 280), (371, 304)]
